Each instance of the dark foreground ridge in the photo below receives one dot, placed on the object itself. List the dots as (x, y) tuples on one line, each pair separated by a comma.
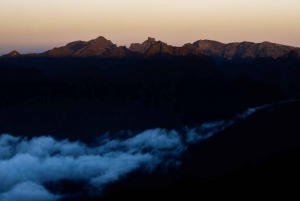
[(254, 158), (146, 86)]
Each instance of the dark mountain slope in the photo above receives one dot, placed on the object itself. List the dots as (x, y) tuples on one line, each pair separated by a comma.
[(92, 48), (172, 85), (123, 94), (266, 135), (256, 157), (253, 158)]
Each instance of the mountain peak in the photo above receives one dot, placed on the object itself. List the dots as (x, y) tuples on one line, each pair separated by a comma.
[(142, 48), (13, 53), (93, 48), (103, 42), (242, 50), (101, 37), (151, 39), (163, 50), (101, 47), (267, 42)]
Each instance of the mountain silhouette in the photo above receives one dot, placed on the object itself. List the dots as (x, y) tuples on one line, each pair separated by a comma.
[(101, 47), (243, 50)]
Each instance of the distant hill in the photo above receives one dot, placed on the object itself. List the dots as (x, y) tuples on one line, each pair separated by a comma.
[(95, 47), (13, 53)]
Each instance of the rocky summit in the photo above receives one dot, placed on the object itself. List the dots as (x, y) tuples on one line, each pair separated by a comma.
[(142, 48), (243, 50)]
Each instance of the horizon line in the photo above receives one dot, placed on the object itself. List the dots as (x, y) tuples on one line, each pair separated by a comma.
[(128, 46)]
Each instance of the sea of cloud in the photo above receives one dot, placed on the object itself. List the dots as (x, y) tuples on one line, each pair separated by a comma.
[(27, 164)]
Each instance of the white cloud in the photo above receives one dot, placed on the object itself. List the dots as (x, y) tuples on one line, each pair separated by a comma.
[(28, 191), (25, 165)]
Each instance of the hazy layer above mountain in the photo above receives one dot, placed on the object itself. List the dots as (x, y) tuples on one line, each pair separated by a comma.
[(243, 50)]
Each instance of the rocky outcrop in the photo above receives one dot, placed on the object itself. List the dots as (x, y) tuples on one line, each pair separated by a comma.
[(142, 48), (163, 49), (242, 50), (118, 52)]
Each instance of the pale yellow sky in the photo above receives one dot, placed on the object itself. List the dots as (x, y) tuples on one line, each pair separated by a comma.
[(39, 25)]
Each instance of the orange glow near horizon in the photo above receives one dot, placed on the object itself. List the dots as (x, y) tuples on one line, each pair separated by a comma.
[(39, 25)]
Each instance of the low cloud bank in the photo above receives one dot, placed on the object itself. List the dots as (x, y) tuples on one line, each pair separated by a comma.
[(44, 159), (26, 165), (28, 191), (206, 130)]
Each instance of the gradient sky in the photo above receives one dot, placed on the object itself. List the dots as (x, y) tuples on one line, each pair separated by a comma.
[(39, 25)]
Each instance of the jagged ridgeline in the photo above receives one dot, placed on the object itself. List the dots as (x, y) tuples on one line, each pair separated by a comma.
[(166, 121), (147, 85), (101, 47)]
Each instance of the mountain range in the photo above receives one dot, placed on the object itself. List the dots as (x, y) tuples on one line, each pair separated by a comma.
[(103, 48), (96, 91)]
